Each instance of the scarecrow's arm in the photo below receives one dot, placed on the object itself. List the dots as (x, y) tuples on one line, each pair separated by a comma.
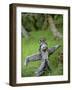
[(37, 56), (53, 49)]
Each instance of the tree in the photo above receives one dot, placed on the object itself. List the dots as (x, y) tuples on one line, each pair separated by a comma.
[(53, 27), (35, 22)]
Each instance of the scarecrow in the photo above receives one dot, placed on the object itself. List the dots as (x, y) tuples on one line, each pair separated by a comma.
[(43, 56)]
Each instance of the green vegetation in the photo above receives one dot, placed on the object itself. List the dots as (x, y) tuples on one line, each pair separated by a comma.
[(31, 46), (35, 21)]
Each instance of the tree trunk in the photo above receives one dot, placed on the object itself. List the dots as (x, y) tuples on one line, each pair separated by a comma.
[(53, 27), (24, 32), (45, 23)]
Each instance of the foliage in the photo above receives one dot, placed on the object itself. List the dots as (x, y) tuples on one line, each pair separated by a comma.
[(35, 21), (59, 22)]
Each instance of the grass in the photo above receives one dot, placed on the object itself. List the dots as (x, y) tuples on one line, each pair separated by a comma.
[(31, 46)]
